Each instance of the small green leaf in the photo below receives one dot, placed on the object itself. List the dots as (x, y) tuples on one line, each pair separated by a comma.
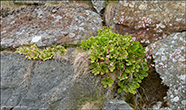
[(119, 90)]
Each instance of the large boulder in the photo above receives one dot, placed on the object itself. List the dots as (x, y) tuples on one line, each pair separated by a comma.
[(47, 25), (166, 17), (172, 72), (29, 84)]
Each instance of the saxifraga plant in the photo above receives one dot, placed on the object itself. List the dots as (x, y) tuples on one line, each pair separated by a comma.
[(33, 52), (117, 54)]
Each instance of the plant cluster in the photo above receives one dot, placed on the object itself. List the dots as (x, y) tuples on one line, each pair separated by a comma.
[(33, 52), (117, 54), (111, 54)]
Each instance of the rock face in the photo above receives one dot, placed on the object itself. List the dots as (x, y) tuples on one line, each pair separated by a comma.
[(115, 104), (166, 17), (27, 84), (173, 72), (47, 25), (98, 5), (40, 2), (30, 2)]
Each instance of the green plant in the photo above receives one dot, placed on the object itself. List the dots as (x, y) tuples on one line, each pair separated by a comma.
[(33, 52), (117, 54)]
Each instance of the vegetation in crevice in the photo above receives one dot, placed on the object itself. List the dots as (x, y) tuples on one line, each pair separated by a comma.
[(150, 91), (109, 54), (120, 55), (33, 52)]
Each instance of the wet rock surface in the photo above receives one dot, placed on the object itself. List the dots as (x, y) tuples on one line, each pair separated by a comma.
[(172, 72), (48, 25), (28, 84)]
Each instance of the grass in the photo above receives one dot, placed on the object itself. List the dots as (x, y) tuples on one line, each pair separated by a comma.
[(10, 4)]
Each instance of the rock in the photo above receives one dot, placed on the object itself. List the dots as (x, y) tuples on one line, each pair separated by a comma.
[(28, 84), (110, 13), (39, 2), (166, 17), (98, 5), (30, 2), (115, 104), (43, 21), (172, 72), (57, 1)]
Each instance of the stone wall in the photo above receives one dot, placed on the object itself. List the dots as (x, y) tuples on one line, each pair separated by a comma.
[(28, 83)]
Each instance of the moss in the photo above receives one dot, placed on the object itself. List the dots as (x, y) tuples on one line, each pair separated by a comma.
[(80, 98), (10, 4), (111, 1), (85, 1), (130, 99), (53, 105), (54, 2), (7, 49), (97, 100)]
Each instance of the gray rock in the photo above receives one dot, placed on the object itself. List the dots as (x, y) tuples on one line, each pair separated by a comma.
[(173, 72), (71, 35), (183, 102), (115, 104), (31, 21), (29, 84), (98, 5), (30, 2)]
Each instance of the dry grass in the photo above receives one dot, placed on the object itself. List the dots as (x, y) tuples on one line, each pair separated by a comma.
[(9, 4), (72, 4), (109, 13), (89, 106), (81, 65), (27, 76), (63, 58)]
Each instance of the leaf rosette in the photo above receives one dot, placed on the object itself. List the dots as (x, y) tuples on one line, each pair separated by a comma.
[(117, 54)]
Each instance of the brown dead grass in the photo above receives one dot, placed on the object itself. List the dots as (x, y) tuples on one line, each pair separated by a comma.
[(9, 4), (109, 13), (89, 106), (27, 76), (81, 65)]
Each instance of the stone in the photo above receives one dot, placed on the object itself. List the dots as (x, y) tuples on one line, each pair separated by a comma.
[(115, 104), (29, 84), (36, 38), (30, 2), (166, 17), (174, 73), (98, 5), (176, 99), (71, 35), (183, 102), (39, 2), (30, 21)]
